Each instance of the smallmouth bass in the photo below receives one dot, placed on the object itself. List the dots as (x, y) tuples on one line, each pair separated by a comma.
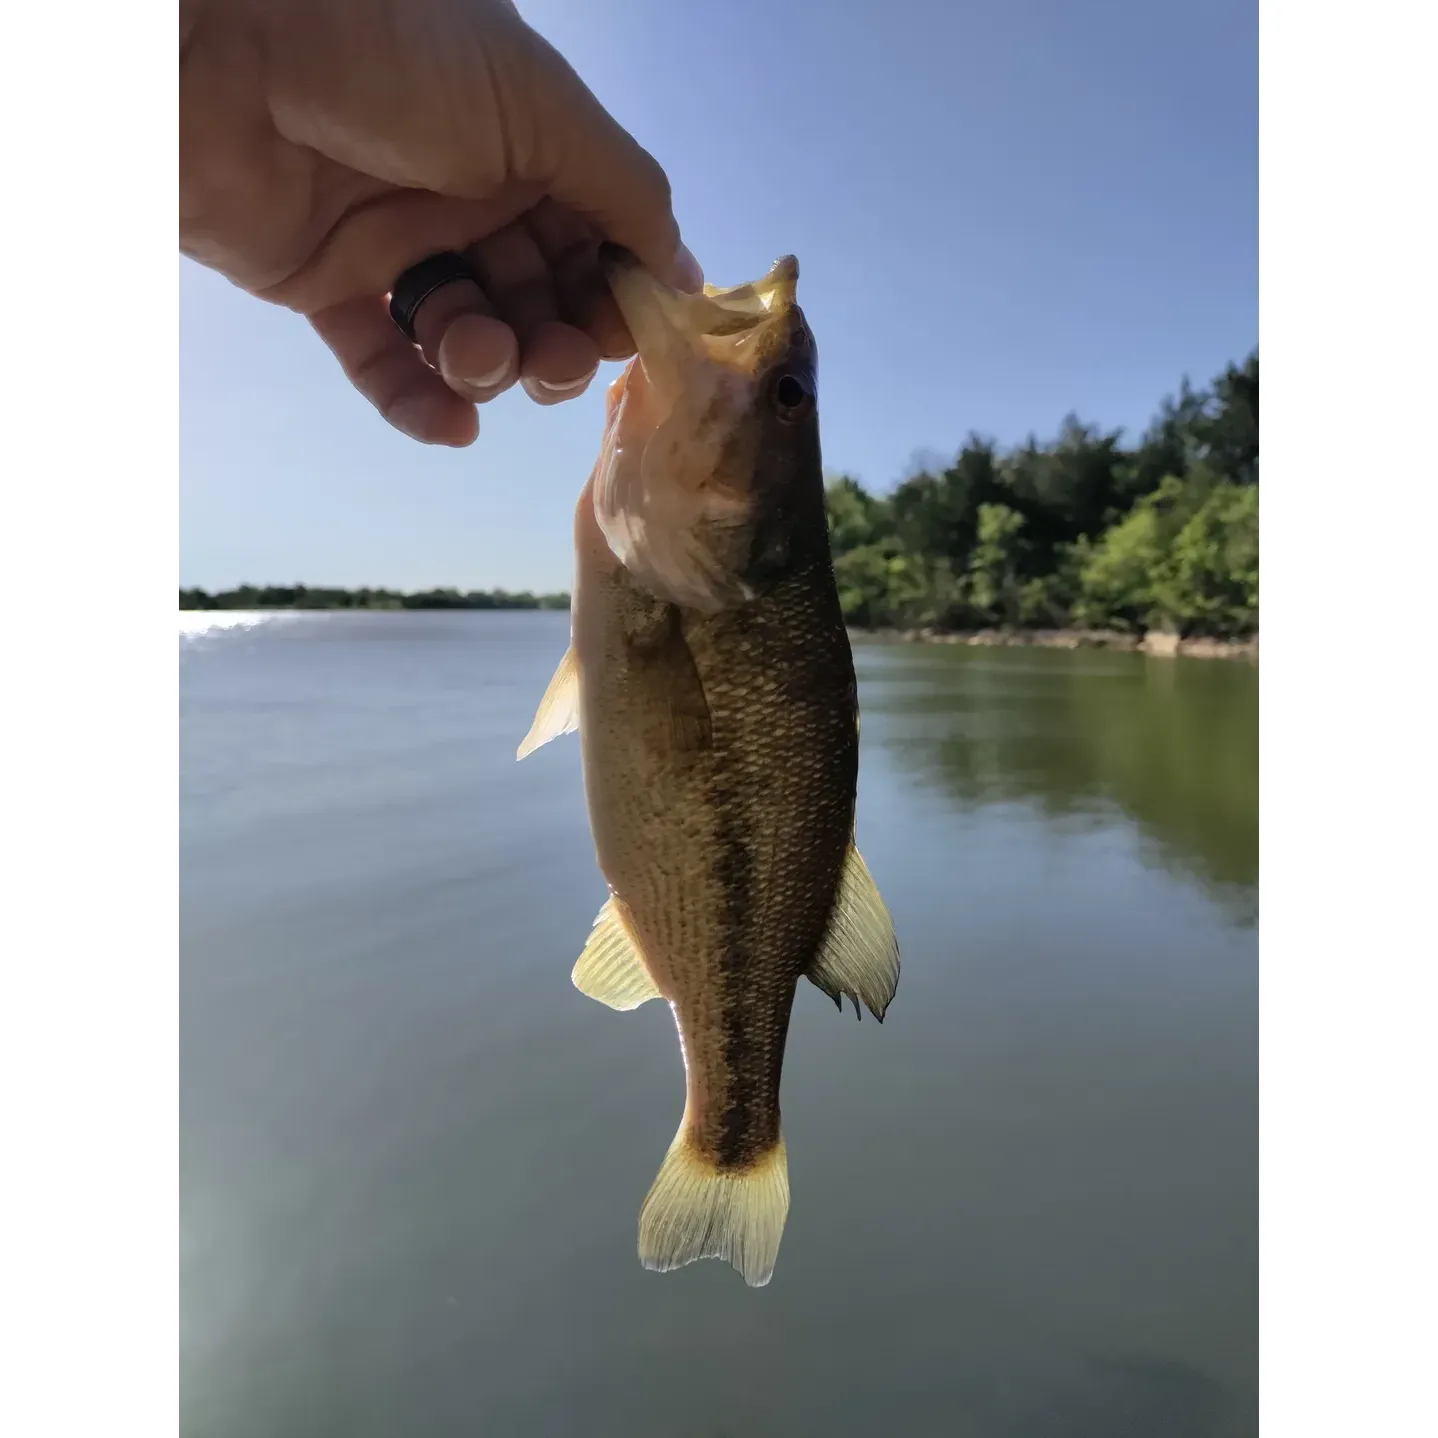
[(710, 678)]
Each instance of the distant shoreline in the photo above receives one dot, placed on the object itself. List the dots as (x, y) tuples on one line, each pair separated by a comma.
[(275, 598), (1154, 643)]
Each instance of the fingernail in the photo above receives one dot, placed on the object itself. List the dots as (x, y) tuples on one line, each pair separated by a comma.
[(549, 389), (687, 273), (498, 375)]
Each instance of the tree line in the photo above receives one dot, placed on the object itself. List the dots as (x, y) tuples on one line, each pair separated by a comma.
[(1081, 531), (299, 596)]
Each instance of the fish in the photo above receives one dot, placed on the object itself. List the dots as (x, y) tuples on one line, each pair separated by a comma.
[(711, 682)]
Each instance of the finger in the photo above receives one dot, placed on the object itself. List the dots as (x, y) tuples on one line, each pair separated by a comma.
[(375, 242), (556, 360), (391, 373), (460, 335), (570, 247)]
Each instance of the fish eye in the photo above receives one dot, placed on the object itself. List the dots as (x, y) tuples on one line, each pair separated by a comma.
[(792, 396)]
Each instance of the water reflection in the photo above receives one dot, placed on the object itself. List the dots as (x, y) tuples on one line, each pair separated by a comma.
[(1172, 745)]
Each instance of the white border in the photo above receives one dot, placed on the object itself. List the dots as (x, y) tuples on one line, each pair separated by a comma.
[(1350, 533), (88, 466)]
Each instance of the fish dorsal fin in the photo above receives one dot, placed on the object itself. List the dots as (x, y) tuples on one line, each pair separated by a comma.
[(611, 968), (558, 711), (860, 953)]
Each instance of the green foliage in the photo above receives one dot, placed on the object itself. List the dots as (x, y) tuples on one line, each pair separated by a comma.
[(1078, 531), (1049, 601), (1208, 583), (996, 563), (882, 584), (1185, 559), (249, 596), (1116, 581), (855, 516)]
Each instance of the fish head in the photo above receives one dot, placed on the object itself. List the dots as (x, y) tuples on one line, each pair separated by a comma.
[(710, 474)]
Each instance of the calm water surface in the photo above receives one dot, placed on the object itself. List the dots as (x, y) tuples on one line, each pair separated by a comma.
[(413, 1154)]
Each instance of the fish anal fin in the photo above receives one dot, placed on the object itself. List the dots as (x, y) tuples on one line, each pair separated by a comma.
[(558, 711), (611, 968), (696, 1210), (860, 953)]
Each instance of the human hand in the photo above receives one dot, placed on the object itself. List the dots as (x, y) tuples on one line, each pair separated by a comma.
[(328, 145)]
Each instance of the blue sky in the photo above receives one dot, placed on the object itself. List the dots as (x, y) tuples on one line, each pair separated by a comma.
[(1004, 210)]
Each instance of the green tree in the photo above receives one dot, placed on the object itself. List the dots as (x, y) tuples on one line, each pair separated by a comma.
[(995, 566), (1172, 445), (876, 583), (1048, 601), (1231, 433), (1116, 578), (938, 514), (856, 518), (1208, 582), (1064, 490)]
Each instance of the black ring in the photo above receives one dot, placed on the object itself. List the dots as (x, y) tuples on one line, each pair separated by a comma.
[(419, 282)]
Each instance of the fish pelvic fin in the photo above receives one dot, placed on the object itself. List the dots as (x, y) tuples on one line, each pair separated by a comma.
[(697, 1210), (558, 711), (860, 953), (611, 968)]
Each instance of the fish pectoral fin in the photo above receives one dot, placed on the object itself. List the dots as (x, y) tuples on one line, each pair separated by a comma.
[(558, 711), (695, 1210), (655, 638), (860, 953), (611, 968), (690, 723)]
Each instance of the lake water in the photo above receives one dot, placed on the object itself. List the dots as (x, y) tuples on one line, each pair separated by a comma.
[(413, 1154)]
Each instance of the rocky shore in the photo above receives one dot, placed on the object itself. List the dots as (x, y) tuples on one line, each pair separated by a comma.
[(1163, 646)]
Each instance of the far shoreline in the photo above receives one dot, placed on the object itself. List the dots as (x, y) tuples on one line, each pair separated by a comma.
[(1154, 643)]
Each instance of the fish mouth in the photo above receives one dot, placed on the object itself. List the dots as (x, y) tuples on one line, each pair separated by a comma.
[(673, 330)]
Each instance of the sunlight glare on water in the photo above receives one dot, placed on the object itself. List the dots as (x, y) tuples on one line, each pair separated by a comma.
[(200, 623)]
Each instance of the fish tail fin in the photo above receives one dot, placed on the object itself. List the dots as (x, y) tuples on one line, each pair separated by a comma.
[(697, 1210)]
